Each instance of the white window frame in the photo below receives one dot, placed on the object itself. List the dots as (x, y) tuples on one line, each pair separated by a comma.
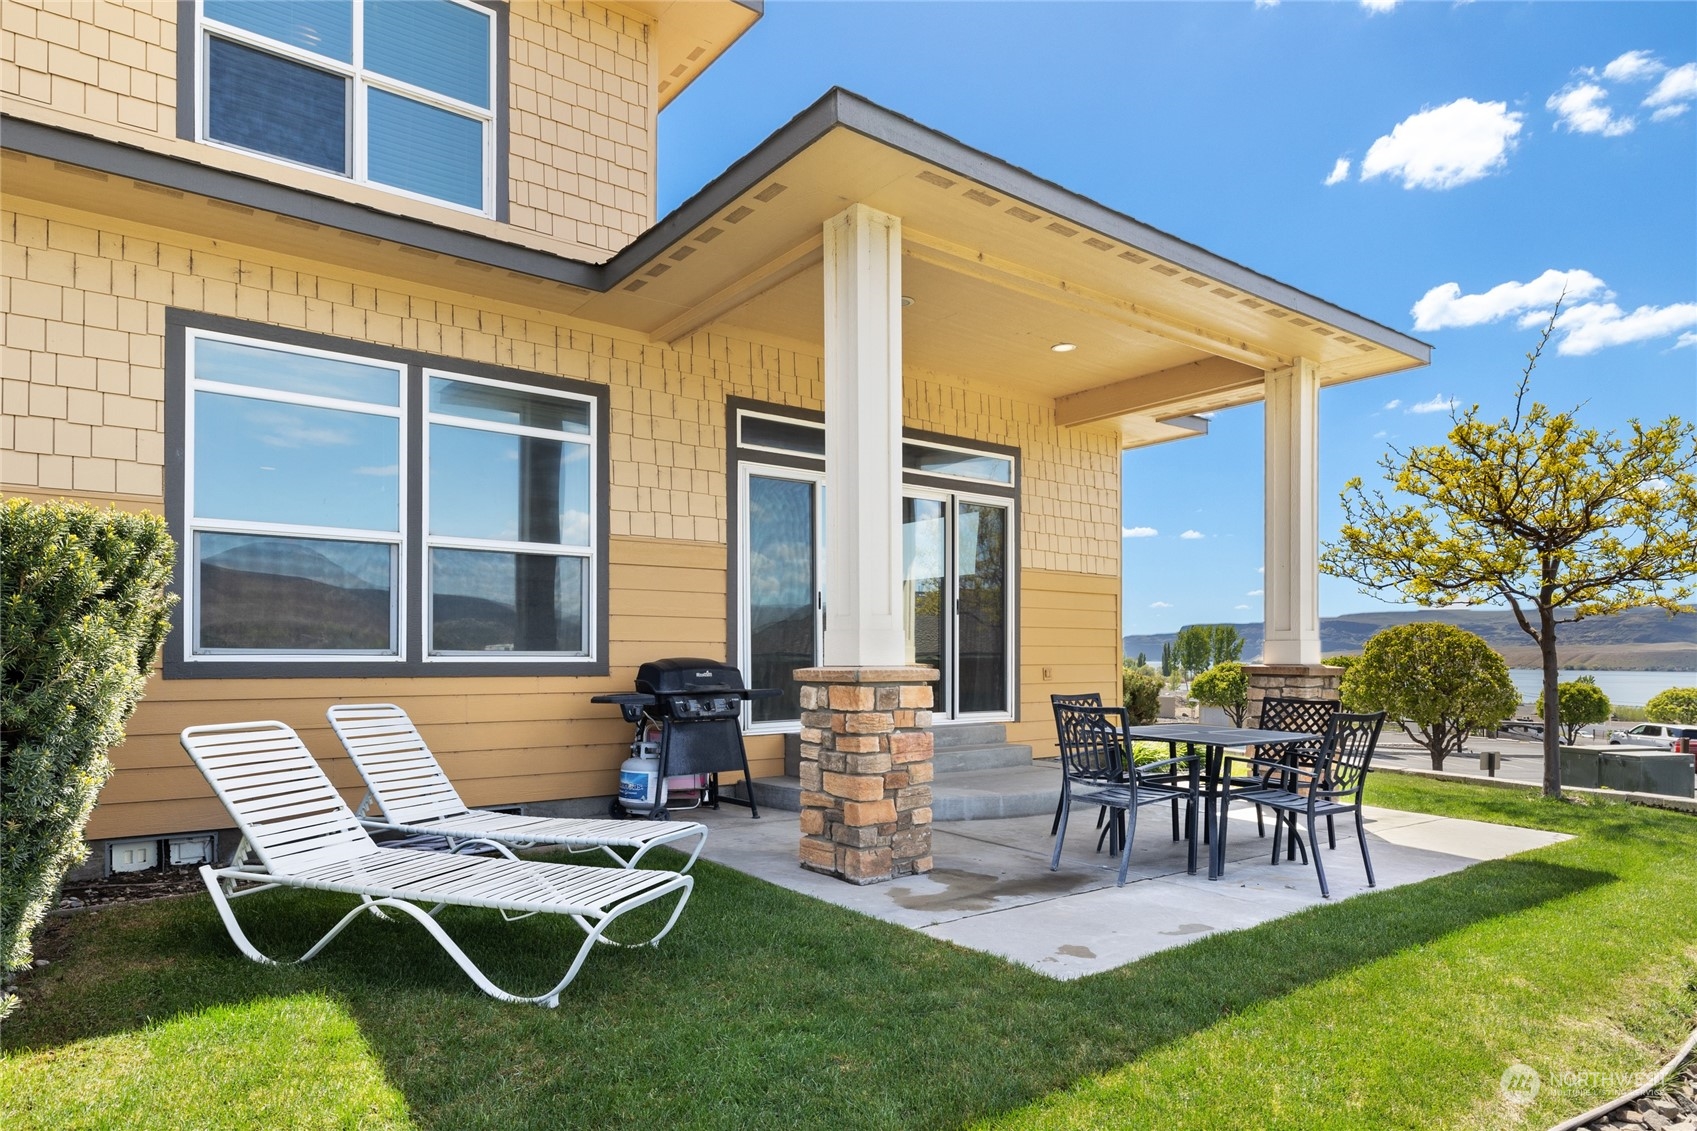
[(974, 453), (952, 500), (195, 526), (361, 82), (585, 552), (745, 627)]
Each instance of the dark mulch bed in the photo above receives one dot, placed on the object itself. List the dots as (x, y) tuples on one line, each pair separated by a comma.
[(128, 887)]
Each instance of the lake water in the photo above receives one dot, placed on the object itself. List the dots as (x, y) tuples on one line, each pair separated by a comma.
[(1632, 689)]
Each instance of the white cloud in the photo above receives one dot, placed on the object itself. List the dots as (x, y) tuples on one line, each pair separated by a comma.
[(1380, 435), (1393, 403), (1192, 535), (1446, 146), (1266, 3), (1634, 66), (1669, 113), (1255, 593), (1260, 569), (1438, 403), (1240, 606), (1340, 172), (1379, 5), (1445, 306), (1593, 326), (1160, 605), (1689, 339), (1138, 532), (1581, 110), (1678, 85)]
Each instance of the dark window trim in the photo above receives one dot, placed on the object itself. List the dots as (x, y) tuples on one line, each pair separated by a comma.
[(188, 94), (412, 664), (735, 458)]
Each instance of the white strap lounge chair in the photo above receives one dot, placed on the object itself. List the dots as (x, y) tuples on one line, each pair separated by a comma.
[(298, 833), (416, 798)]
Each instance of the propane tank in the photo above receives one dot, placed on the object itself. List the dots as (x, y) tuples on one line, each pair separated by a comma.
[(640, 788)]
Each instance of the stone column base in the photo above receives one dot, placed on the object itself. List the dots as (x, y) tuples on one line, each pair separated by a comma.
[(866, 772), (1290, 681)]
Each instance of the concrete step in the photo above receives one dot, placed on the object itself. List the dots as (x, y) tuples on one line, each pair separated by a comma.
[(966, 795), (955, 759), (782, 793), (948, 736), (1008, 791)]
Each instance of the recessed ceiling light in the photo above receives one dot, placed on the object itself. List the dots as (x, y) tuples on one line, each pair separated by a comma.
[(1063, 347), (907, 301)]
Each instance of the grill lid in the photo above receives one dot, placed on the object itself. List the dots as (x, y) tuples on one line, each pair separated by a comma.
[(684, 675)]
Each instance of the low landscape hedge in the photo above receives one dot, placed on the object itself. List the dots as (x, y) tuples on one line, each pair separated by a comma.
[(85, 611)]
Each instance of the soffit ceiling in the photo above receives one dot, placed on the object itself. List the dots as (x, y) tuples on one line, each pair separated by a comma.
[(995, 281), (690, 35)]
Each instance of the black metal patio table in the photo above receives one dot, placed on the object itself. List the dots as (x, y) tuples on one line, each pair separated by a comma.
[(1216, 740)]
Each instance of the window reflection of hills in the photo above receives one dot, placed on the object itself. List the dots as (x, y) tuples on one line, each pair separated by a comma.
[(496, 602), (293, 594)]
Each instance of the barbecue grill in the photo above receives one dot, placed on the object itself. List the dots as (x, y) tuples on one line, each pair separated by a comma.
[(696, 705)]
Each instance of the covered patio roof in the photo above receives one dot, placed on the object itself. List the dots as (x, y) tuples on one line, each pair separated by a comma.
[(1000, 265)]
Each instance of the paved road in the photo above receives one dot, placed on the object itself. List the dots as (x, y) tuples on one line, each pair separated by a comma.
[(1517, 759)]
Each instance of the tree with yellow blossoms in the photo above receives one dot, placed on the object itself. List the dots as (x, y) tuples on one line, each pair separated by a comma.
[(1557, 521)]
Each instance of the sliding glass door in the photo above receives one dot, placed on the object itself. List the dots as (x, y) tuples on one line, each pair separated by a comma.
[(782, 581), (955, 590)]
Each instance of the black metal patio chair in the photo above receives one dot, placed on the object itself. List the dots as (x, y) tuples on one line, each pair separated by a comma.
[(1088, 699), (1308, 716), (1096, 769), (1332, 785)]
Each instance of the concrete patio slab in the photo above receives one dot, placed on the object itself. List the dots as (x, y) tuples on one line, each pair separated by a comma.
[(992, 889)]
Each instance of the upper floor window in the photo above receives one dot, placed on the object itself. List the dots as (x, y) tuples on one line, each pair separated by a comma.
[(396, 93)]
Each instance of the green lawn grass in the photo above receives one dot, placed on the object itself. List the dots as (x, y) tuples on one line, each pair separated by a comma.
[(1399, 1008)]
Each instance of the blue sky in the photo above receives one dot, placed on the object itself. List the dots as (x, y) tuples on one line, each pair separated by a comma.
[(1489, 145)]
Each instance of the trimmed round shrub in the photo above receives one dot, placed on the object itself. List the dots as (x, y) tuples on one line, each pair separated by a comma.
[(1439, 682), (1675, 705)]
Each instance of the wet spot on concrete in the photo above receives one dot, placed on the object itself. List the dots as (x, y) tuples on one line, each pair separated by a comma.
[(979, 891), (1072, 951), (1189, 929)]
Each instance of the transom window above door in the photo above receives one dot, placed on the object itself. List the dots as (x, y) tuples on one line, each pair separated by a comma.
[(396, 93)]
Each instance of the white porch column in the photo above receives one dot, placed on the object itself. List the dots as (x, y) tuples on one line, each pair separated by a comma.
[(1292, 580), (863, 436)]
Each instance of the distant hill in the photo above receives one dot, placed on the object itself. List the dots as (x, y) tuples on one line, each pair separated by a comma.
[(1636, 640)]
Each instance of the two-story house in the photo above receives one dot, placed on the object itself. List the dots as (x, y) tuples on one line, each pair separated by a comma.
[(370, 299)]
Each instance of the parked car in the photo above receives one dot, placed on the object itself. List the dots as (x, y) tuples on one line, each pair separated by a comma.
[(1660, 735)]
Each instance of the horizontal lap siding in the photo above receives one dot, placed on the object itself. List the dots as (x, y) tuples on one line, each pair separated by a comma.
[(501, 739), (1069, 624)]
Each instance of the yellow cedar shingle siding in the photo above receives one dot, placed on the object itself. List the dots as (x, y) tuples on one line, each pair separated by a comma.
[(581, 102)]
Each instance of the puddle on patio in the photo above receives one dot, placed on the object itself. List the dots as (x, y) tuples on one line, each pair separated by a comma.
[(978, 891)]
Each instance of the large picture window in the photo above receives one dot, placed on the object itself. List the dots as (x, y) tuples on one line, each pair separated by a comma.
[(397, 93), (347, 506)]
